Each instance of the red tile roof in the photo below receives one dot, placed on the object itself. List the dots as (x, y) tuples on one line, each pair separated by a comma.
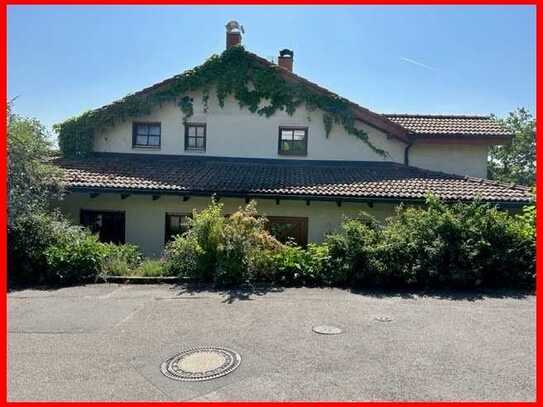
[(365, 180), (450, 125)]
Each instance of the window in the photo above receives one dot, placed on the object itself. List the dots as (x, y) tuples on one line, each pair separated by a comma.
[(176, 224), (285, 228), (108, 225), (293, 140), (146, 135), (195, 137)]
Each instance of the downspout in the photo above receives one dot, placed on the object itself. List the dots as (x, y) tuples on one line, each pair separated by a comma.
[(406, 152)]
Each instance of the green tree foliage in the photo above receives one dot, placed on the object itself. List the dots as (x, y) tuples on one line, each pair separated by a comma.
[(515, 162), (32, 180)]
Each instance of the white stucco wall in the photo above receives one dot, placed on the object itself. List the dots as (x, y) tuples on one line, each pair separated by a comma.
[(235, 132), (452, 158), (145, 218)]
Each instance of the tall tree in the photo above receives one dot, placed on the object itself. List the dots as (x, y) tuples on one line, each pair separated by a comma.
[(515, 162), (32, 180)]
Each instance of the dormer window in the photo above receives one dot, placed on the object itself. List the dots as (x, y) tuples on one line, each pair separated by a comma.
[(195, 137), (293, 140), (146, 135)]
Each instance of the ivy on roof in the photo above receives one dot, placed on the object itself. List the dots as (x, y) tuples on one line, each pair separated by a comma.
[(235, 72)]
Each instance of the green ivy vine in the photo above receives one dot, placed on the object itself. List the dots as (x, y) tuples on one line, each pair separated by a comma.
[(235, 72)]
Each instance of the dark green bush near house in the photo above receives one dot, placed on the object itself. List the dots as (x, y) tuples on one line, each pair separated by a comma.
[(457, 246), (76, 260), (352, 249), (28, 239)]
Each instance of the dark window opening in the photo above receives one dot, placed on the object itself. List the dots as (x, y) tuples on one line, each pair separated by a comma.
[(146, 135), (293, 140), (286, 228), (108, 225), (195, 137), (176, 224)]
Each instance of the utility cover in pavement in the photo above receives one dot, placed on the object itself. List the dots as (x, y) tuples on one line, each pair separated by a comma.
[(383, 318), (198, 364), (327, 330)]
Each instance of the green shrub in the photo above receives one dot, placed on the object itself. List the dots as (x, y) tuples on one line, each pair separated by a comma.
[(28, 239), (459, 245), (78, 259), (243, 238), (120, 260), (294, 265), (352, 253), (223, 250), (150, 268)]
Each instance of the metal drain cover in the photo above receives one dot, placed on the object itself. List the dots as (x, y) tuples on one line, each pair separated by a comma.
[(327, 330), (383, 318), (203, 363)]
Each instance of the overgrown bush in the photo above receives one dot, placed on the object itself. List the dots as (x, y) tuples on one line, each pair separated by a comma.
[(232, 250), (78, 259), (120, 260), (294, 265), (28, 239), (439, 245), (352, 253)]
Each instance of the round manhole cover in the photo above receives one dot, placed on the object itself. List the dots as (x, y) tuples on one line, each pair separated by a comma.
[(383, 318), (199, 364), (327, 330)]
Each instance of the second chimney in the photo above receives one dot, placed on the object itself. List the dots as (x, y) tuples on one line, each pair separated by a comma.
[(286, 58), (233, 34)]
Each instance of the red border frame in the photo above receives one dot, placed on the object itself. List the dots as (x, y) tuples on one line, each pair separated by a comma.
[(3, 188)]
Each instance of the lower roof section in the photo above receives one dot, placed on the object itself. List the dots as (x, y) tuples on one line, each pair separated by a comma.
[(278, 178)]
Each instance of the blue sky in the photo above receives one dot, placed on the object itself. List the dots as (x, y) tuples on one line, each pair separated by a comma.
[(63, 60)]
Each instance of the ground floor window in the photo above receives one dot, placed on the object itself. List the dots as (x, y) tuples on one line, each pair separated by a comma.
[(286, 228), (176, 224), (108, 225)]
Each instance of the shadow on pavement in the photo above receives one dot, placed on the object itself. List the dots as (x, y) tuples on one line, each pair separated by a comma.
[(230, 294)]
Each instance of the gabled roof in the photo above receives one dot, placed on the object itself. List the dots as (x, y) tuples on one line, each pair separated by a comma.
[(303, 179), (361, 113), (437, 126)]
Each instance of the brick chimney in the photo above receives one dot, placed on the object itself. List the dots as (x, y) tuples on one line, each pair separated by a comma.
[(233, 34), (286, 59)]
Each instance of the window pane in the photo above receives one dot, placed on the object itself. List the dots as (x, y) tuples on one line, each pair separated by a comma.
[(141, 140), (142, 129), (154, 130), (299, 134), (191, 142), (154, 140), (174, 223), (286, 134), (192, 131), (200, 142)]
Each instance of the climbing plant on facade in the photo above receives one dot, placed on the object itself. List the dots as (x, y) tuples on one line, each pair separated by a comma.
[(256, 86)]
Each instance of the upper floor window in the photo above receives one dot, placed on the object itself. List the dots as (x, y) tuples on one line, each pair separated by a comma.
[(293, 140), (195, 137), (146, 135)]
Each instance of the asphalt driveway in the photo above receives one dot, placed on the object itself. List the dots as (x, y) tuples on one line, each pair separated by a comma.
[(107, 342)]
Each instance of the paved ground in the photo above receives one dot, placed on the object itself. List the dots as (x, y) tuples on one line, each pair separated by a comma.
[(106, 342)]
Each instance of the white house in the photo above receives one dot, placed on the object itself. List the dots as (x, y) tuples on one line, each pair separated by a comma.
[(160, 153)]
